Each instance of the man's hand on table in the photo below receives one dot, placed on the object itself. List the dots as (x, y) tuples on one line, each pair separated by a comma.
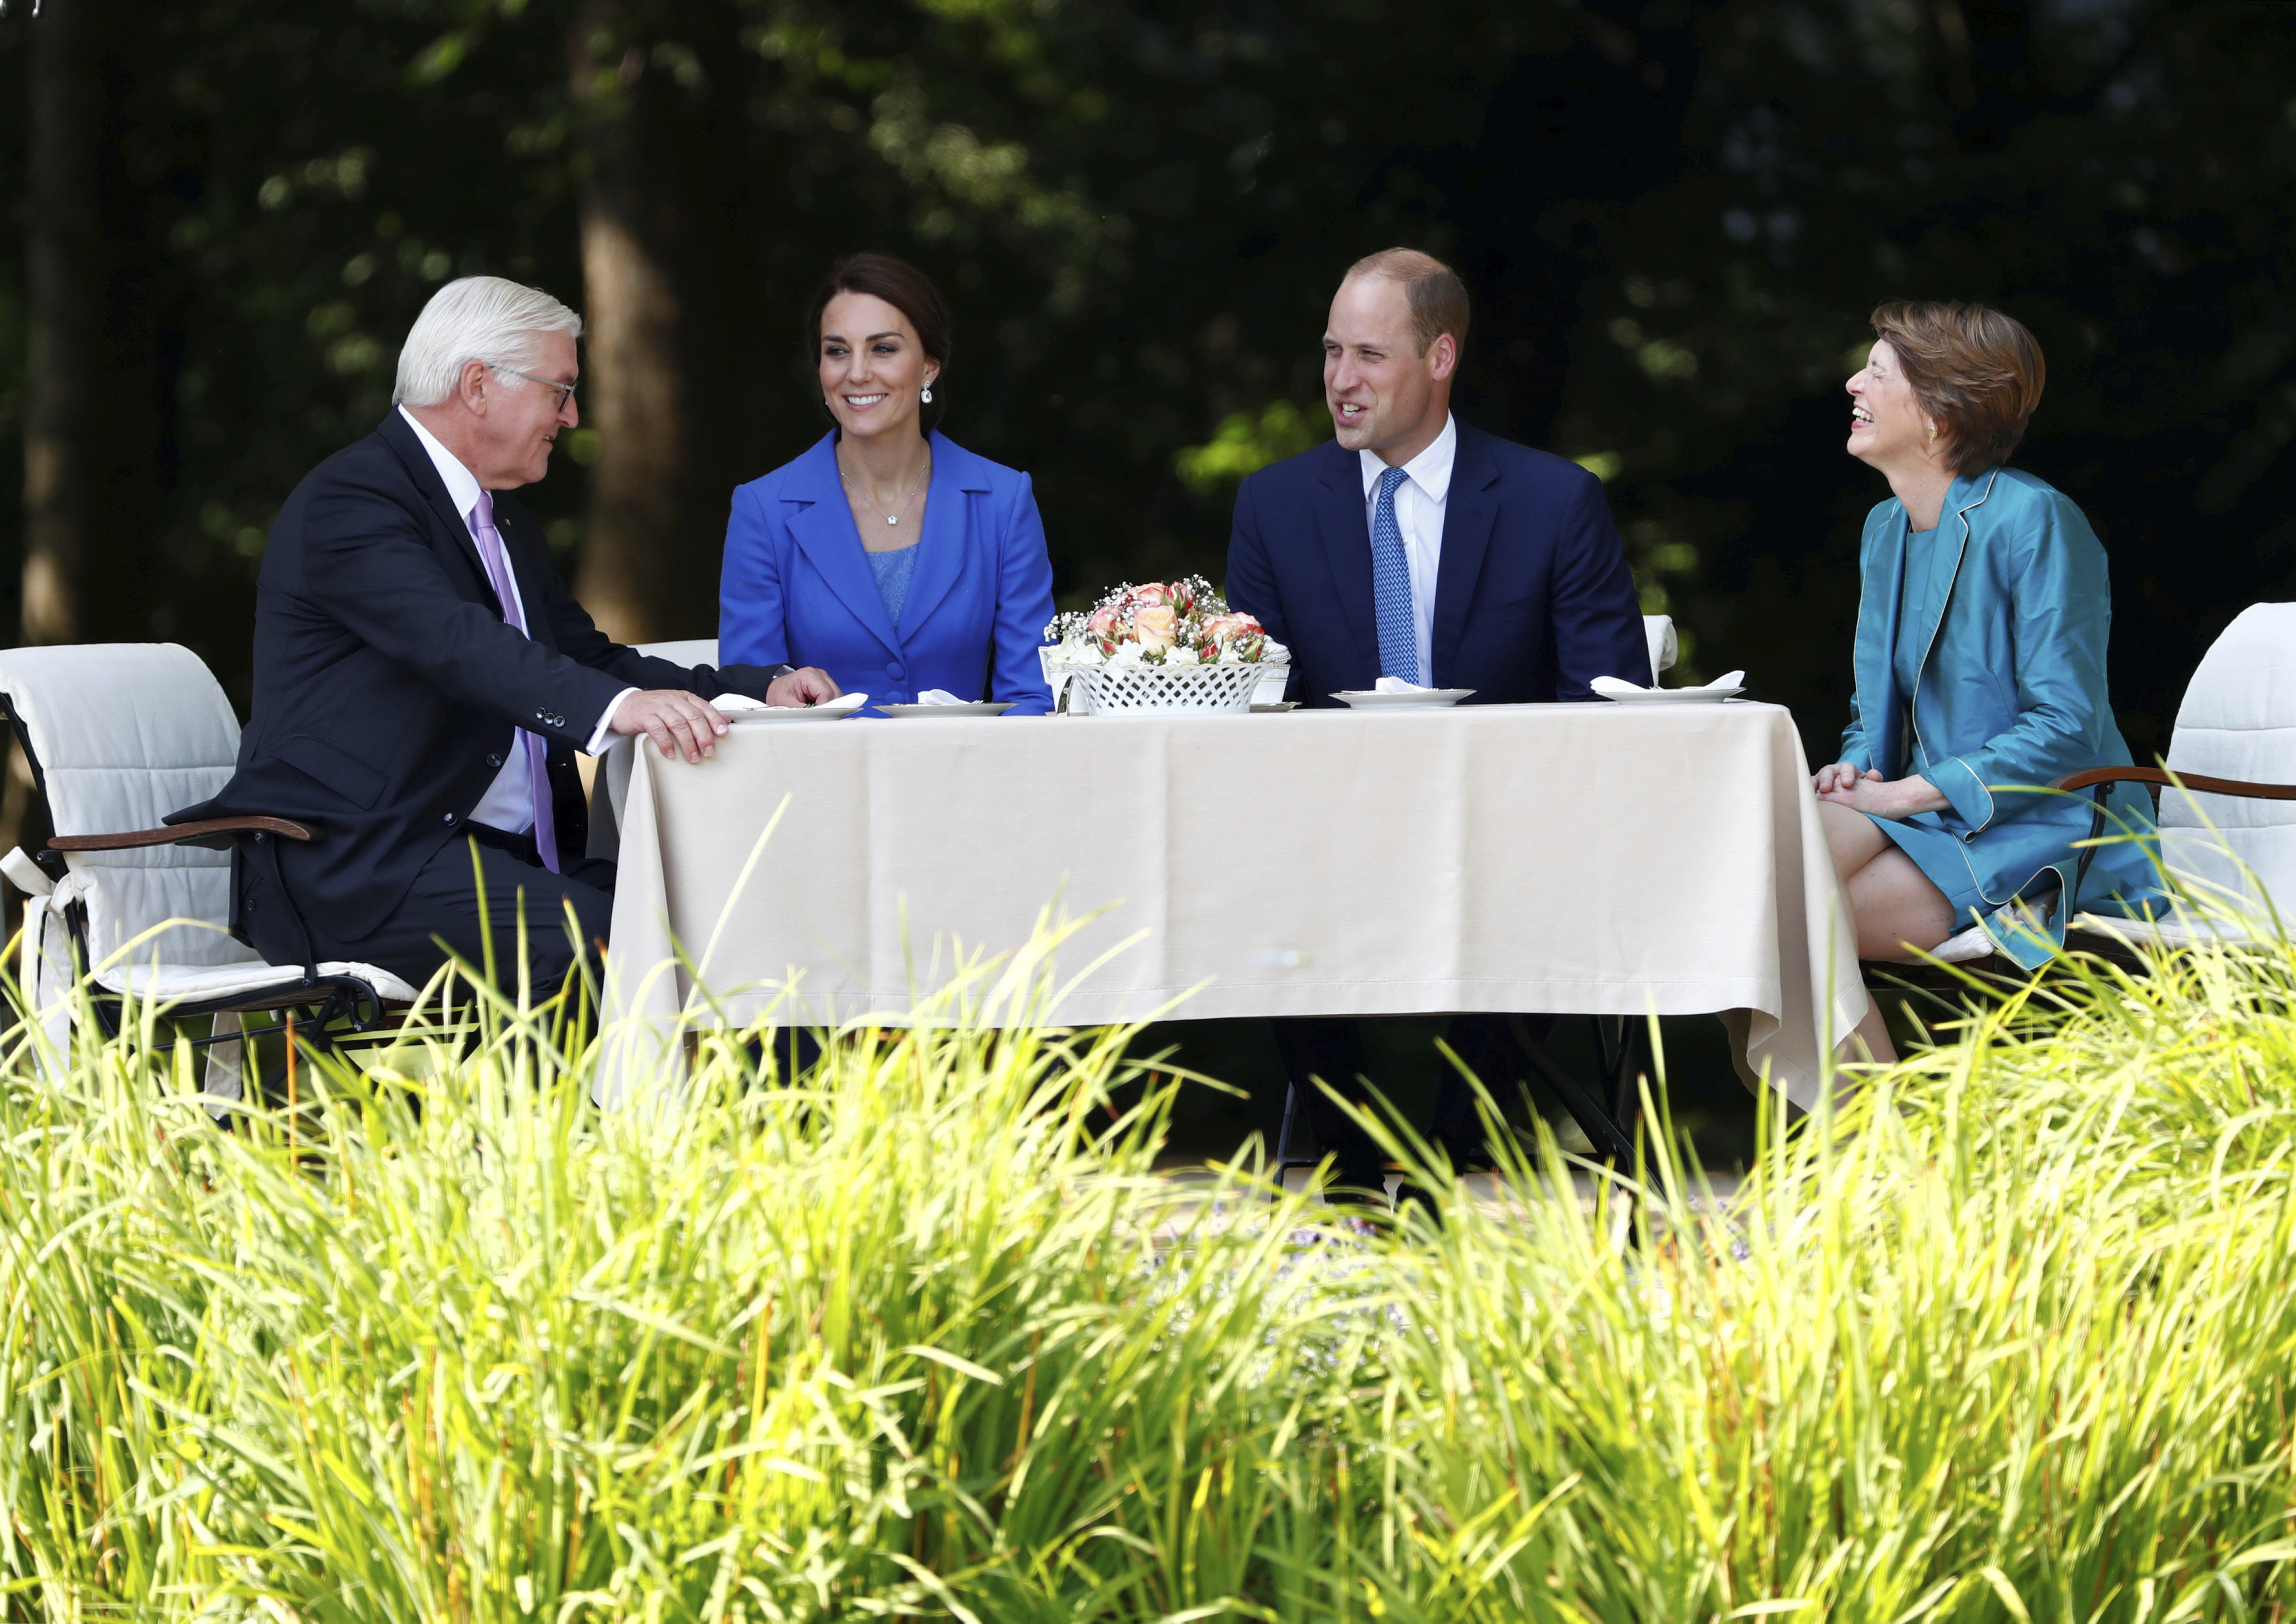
[(1868, 792), (805, 686), (678, 723)]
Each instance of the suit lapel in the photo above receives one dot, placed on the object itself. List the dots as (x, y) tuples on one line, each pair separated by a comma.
[(416, 461), (1470, 509), (822, 525), (1346, 534), (947, 529), (1876, 658), (1960, 498)]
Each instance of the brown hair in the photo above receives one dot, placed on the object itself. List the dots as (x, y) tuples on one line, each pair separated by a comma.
[(907, 289), (1438, 297), (1977, 371)]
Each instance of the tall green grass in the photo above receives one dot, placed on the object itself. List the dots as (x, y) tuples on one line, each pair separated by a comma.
[(922, 1334)]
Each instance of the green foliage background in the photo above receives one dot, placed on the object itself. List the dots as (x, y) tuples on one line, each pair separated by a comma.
[(1673, 216)]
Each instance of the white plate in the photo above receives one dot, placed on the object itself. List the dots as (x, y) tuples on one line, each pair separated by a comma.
[(828, 710), (1276, 708), (1426, 699), (1676, 696), (977, 708)]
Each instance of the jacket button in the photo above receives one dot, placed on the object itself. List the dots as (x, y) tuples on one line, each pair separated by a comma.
[(493, 760), (895, 671), (450, 817)]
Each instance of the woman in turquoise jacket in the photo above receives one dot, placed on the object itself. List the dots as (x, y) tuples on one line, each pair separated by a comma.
[(1980, 664)]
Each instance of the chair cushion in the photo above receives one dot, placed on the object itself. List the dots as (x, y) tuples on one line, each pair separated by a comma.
[(685, 651), (123, 734), (199, 984), (2238, 720), (2178, 932)]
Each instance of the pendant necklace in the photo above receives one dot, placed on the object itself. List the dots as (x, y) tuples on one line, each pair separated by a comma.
[(895, 516)]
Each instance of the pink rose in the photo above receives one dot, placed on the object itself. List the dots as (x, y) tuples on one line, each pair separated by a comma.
[(1155, 626), (1153, 595), (1104, 621), (1227, 628)]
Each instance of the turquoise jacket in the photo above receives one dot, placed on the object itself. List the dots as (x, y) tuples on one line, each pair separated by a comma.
[(2010, 693)]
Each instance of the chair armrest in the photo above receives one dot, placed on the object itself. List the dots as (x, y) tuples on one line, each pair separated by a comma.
[(2174, 780), (202, 833)]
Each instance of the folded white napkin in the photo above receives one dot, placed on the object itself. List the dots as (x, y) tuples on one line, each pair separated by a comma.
[(1396, 684), (940, 696), (844, 703), (1613, 684)]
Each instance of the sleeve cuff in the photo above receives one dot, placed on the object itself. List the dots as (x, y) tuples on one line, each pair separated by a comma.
[(1964, 790), (598, 739)]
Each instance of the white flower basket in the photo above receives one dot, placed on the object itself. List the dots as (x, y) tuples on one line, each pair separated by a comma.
[(1115, 689)]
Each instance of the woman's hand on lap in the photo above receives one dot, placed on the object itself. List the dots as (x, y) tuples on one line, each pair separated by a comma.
[(1870, 792), (1841, 775)]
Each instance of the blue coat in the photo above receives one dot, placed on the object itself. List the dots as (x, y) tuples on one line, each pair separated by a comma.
[(796, 582), (1533, 598), (2010, 693)]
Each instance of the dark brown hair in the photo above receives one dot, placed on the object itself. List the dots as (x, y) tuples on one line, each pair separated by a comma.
[(1977, 371), (907, 289), (1437, 297)]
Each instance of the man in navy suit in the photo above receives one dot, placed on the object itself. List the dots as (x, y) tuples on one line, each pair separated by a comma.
[(423, 677), (1413, 546)]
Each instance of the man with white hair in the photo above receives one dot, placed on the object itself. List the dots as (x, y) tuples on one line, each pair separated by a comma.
[(423, 677)]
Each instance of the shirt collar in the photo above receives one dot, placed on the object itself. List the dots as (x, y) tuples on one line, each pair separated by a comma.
[(1431, 470), (461, 485)]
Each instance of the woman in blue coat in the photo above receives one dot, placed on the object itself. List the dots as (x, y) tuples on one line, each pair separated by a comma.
[(888, 555), (1980, 664)]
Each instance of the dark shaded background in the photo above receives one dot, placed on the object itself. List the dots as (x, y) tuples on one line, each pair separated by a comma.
[(1673, 219)]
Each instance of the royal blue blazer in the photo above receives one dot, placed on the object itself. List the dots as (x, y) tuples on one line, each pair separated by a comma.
[(795, 580), (1533, 599), (2009, 695)]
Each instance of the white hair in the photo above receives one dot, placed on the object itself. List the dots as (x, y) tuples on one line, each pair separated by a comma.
[(476, 318)]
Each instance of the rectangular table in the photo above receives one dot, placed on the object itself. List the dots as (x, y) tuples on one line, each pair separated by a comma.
[(1590, 858)]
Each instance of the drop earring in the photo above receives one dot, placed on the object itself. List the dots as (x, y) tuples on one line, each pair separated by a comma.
[(1932, 434), (926, 398)]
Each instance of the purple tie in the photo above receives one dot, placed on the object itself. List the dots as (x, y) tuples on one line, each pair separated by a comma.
[(538, 748)]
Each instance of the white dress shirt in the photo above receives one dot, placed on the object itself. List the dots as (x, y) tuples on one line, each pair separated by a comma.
[(508, 804), (1419, 506)]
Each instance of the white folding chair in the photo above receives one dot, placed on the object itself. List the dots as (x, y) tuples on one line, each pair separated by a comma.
[(117, 735), (685, 651), (2227, 797)]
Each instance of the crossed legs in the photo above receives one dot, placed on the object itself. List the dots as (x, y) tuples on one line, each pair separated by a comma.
[(1893, 908)]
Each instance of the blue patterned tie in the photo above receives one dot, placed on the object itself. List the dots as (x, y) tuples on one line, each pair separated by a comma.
[(1391, 586)]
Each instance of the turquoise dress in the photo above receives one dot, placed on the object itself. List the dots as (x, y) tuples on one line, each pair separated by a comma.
[(1980, 666)]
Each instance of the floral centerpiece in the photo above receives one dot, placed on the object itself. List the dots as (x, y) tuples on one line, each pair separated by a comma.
[(1163, 645)]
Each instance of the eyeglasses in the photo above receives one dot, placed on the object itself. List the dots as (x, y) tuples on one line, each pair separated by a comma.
[(565, 391)]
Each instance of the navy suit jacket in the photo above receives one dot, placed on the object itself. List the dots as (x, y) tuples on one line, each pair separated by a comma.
[(1533, 599), (798, 587), (387, 682)]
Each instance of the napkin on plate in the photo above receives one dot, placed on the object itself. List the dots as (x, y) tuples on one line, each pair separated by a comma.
[(1612, 684), (1396, 684), (940, 696), (730, 703)]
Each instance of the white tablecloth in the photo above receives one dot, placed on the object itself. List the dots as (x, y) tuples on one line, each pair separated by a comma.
[(1595, 858)]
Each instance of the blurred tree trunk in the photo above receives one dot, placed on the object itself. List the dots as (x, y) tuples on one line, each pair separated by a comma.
[(64, 285), (634, 387)]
